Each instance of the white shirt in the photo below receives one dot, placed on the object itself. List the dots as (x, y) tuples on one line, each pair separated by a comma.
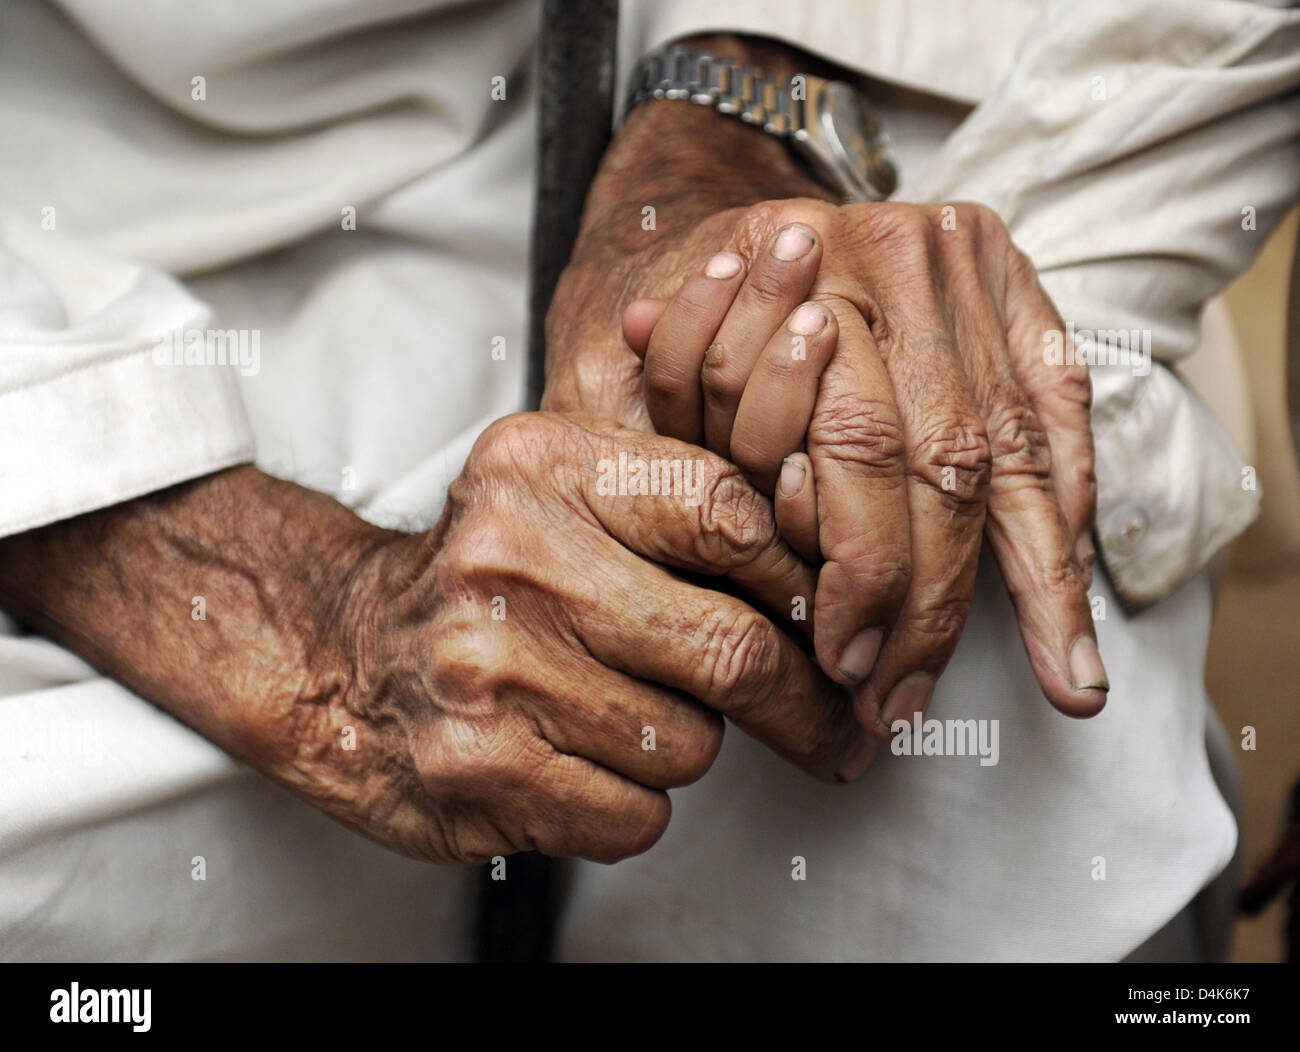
[(1140, 153), (140, 202)]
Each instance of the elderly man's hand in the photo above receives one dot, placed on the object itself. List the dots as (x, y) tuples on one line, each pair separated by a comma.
[(525, 675), (936, 408), (545, 678)]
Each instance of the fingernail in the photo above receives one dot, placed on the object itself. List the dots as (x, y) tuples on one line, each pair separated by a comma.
[(867, 709), (723, 265), (1086, 668), (792, 476), (859, 657), (910, 696), (794, 242), (807, 320), (856, 763)]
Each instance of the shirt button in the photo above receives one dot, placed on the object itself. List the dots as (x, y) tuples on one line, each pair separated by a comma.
[(1125, 528)]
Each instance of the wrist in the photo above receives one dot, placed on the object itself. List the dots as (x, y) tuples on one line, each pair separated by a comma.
[(690, 161), (213, 599), (692, 166), (687, 162)]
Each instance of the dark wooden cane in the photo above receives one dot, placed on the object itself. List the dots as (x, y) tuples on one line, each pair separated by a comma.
[(517, 916)]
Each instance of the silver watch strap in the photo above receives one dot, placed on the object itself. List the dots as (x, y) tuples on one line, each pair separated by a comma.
[(728, 86)]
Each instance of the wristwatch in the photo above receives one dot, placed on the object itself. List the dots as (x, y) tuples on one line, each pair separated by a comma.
[(826, 122)]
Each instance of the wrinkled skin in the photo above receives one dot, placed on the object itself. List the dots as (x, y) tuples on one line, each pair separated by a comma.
[(477, 689), (937, 425), (527, 730)]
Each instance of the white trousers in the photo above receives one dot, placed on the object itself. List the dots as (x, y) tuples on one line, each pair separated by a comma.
[(1082, 842)]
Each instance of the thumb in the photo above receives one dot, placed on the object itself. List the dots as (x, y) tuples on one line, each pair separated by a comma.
[(639, 320)]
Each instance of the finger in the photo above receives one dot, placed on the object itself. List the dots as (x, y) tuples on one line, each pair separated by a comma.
[(555, 803), (778, 280), (780, 394), (676, 348), (1036, 552), (732, 659), (1061, 394), (1026, 527), (573, 808), (1035, 547), (639, 321), (948, 466), (715, 647), (856, 448), (659, 738), (795, 506), (697, 513)]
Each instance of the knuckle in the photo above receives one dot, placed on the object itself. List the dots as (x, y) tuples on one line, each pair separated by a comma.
[(695, 751), (471, 760), (757, 223), (984, 221), (695, 302), (1061, 574), (1085, 478), (514, 442), (636, 834), (749, 454), (722, 385), (663, 381), (1076, 385), (1019, 261), (483, 559), (556, 780), (820, 741), (472, 668), (735, 523), (768, 288), (938, 625), (903, 231), (1078, 476), (1058, 576), (811, 211), (760, 221), (740, 651), (780, 367), (589, 380), (856, 567), (861, 432), (1020, 269), (954, 458), (823, 733), (471, 843), (1019, 443)]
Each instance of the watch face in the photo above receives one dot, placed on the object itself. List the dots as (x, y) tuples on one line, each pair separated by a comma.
[(856, 138)]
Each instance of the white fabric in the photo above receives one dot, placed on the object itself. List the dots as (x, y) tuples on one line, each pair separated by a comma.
[(937, 857), (83, 412), (1121, 142), (375, 374)]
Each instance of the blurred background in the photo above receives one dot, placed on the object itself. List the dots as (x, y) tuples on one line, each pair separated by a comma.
[(1253, 670)]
